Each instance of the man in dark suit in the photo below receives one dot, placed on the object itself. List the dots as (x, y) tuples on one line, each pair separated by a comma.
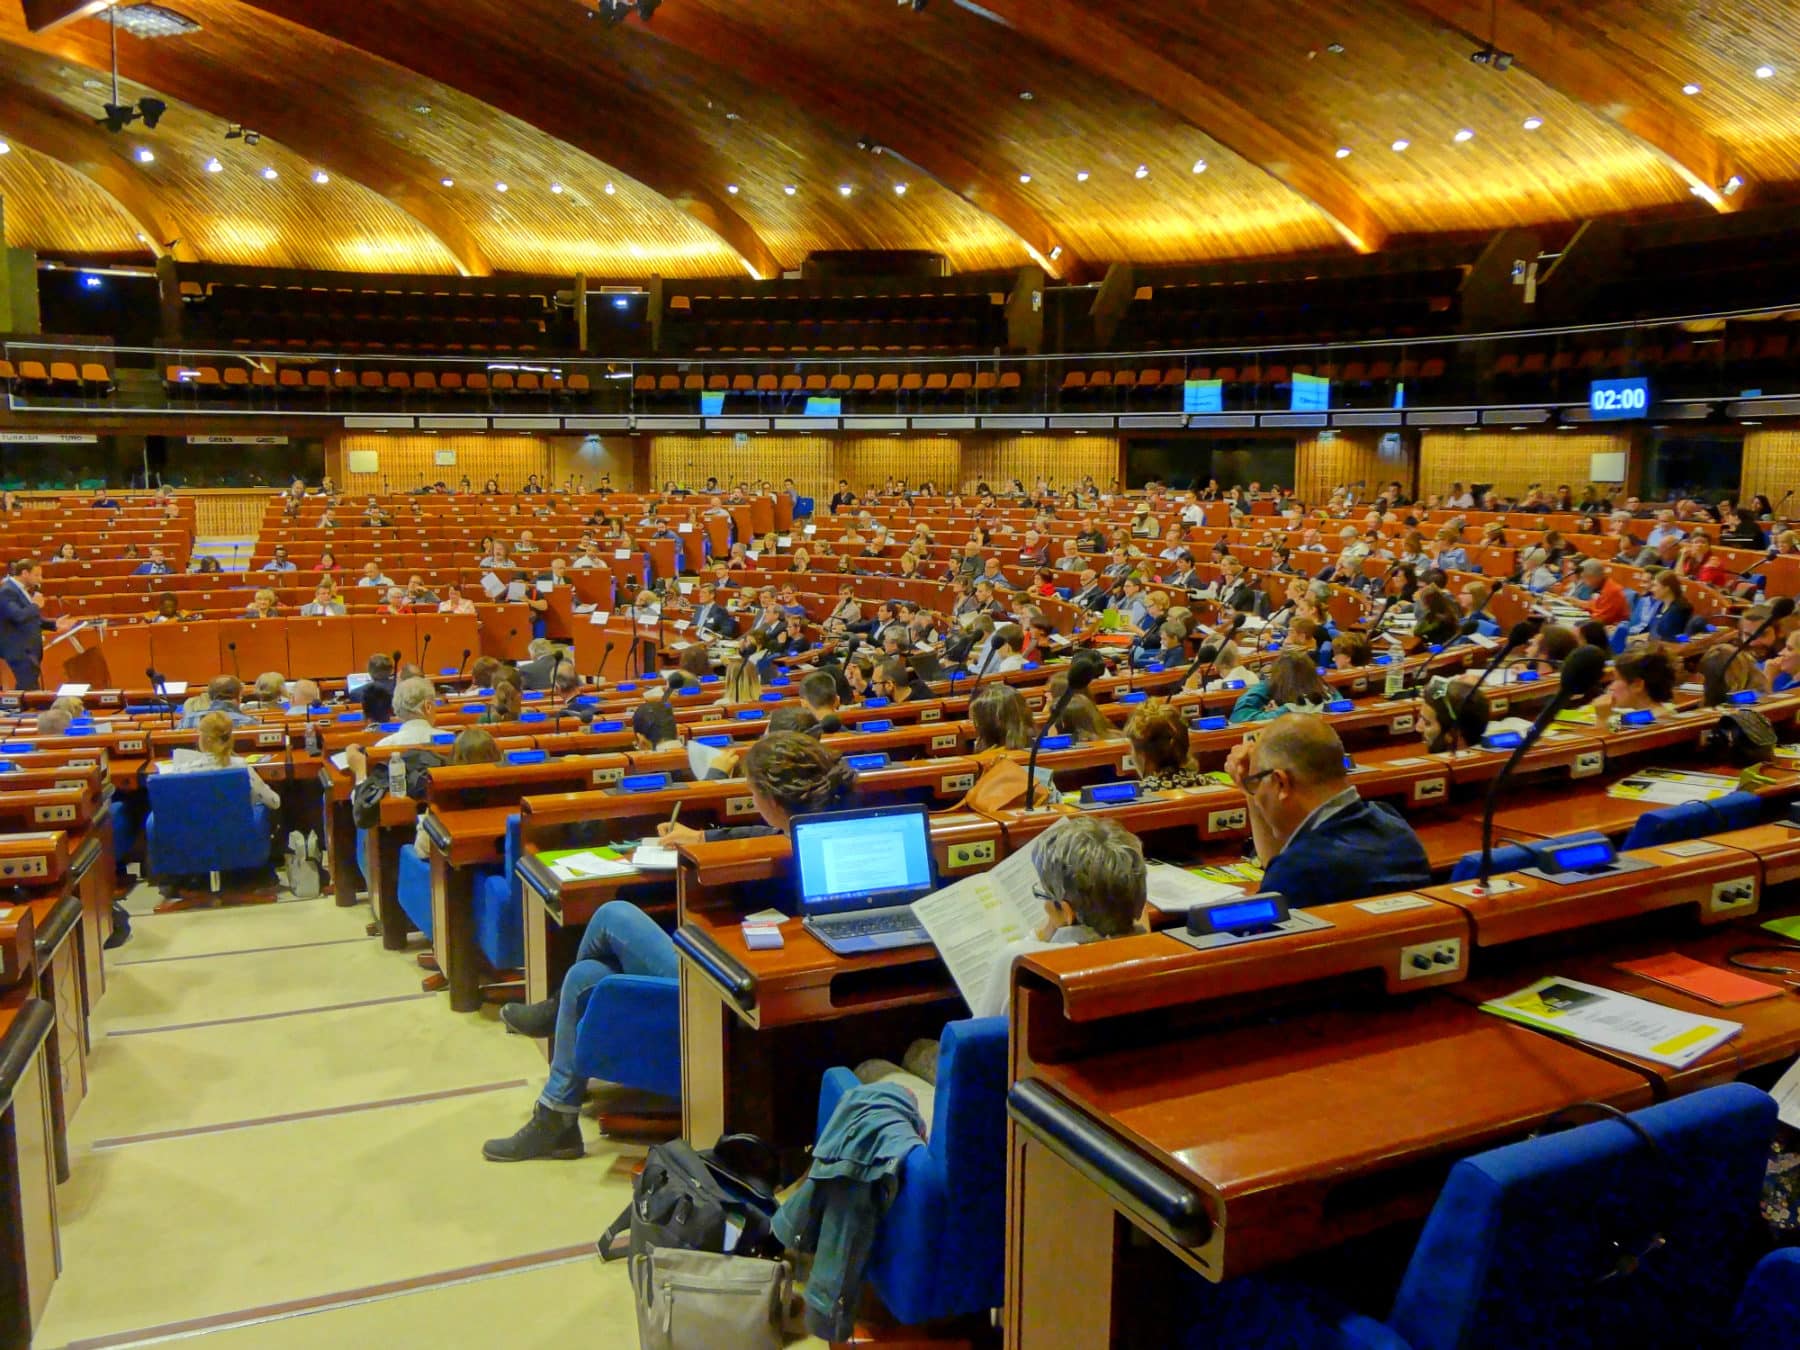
[(709, 615), (22, 623)]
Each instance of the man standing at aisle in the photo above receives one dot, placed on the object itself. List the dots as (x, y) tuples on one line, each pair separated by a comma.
[(22, 623)]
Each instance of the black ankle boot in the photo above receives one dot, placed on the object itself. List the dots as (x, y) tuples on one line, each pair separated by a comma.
[(548, 1134), (536, 1020)]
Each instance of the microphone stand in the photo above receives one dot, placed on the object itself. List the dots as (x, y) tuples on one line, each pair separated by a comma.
[(1037, 741)]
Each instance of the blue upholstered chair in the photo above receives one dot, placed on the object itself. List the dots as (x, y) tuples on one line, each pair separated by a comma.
[(1583, 1238), (1768, 1311), (1738, 810), (204, 822), (939, 1250), (1671, 825), (630, 1034), (498, 902)]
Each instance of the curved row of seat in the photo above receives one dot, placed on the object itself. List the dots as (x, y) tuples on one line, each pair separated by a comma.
[(317, 379)]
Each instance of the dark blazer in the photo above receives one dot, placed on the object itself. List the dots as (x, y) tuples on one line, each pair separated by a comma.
[(22, 624), (1363, 851), (714, 618), (539, 674)]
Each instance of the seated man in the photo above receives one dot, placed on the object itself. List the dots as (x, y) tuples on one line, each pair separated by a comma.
[(377, 696), (1318, 841), (324, 604), (222, 696)]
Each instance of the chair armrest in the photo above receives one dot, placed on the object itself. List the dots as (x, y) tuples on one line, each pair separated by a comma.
[(832, 1088), (630, 1032)]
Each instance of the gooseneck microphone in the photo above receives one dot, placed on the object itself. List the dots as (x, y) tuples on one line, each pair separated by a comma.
[(462, 664), (600, 675), (1779, 609), (1084, 668), (1517, 636), (424, 647), (1581, 675), (234, 662)]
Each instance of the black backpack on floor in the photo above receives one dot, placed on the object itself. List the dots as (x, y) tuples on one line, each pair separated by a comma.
[(719, 1200)]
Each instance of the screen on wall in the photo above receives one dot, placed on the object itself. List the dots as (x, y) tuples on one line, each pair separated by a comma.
[(1203, 396), (1311, 393), (824, 407), (1616, 400), (712, 404)]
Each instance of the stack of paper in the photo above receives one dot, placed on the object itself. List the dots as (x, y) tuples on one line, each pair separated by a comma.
[(586, 864), (1615, 1021)]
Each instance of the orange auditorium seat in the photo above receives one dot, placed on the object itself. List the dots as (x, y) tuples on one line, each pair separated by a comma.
[(502, 382), (33, 372), (936, 382), (815, 384), (64, 372), (790, 384), (1074, 379), (263, 379), (451, 381), (578, 384), (889, 383), (718, 382), (340, 379), (644, 384), (668, 384), (527, 382), (912, 382), (767, 383), (236, 377), (693, 384), (372, 379), (840, 383), (864, 383), (425, 382), (742, 383), (475, 382)]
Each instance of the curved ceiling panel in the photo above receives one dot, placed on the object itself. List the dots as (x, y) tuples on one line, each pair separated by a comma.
[(53, 209)]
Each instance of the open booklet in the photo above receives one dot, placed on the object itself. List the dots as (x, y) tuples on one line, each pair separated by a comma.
[(1615, 1021), (973, 921)]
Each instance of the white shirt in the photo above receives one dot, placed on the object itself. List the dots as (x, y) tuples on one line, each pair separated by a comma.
[(415, 732), (192, 761)]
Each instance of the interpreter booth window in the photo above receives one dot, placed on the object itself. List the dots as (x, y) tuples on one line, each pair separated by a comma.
[(201, 462), (40, 462), (1701, 462), (1236, 461)]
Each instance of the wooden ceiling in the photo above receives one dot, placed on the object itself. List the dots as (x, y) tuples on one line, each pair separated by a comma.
[(1016, 127)]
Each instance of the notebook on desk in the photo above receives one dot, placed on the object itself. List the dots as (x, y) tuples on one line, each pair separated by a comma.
[(858, 873)]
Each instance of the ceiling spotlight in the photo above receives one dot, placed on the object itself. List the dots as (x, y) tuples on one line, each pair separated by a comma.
[(556, 189), (1024, 178), (1401, 144), (269, 173), (1343, 152), (499, 187), (151, 110), (1081, 175), (844, 189), (1143, 171), (446, 182), (1690, 89), (5, 149), (144, 155), (213, 165), (1732, 184), (153, 21), (790, 189), (1765, 72), (1199, 166), (1025, 95), (1532, 123), (320, 177), (899, 189), (1335, 48), (731, 188), (1464, 135), (609, 189), (1055, 252)]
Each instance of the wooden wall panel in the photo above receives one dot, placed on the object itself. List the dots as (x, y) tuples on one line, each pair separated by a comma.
[(1771, 462), (1326, 461), (867, 460), (229, 513), (691, 460), (407, 460), (1062, 458), (587, 458), (1512, 461)]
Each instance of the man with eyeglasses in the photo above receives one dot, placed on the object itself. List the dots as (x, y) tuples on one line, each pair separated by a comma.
[(897, 684), (1318, 841)]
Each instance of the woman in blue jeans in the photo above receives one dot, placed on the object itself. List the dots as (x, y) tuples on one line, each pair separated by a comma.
[(789, 774)]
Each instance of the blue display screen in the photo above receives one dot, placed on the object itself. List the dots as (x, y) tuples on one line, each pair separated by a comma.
[(1203, 396), (1580, 857), (644, 782), (1310, 393), (876, 724), (1615, 400), (1502, 740), (824, 407), (1112, 792), (1056, 742), (1251, 913), (864, 763), (712, 404)]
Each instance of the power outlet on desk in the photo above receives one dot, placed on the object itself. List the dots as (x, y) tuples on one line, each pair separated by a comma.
[(931, 714), (604, 776), (70, 784), (1401, 724), (1732, 895), (1430, 958), (1587, 764), (51, 815), (1223, 822), (1497, 707), (739, 806), (947, 742), (24, 867), (956, 782), (1429, 790), (132, 747), (971, 855), (271, 738)]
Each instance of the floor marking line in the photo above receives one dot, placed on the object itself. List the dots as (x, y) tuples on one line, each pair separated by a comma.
[(270, 1016), (239, 951)]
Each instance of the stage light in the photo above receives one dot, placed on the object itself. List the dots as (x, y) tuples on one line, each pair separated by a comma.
[(1765, 72), (1199, 166), (556, 189), (1081, 175), (608, 189), (1024, 178), (1401, 145), (790, 189), (1343, 152), (151, 110), (320, 177), (899, 189), (144, 155), (1690, 89), (844, 189), (5, 149), (446, 182), (270, 173), (732, 188), (1532, 123), (1143, 171), (499, 187), (1464, 135), (213, 165)]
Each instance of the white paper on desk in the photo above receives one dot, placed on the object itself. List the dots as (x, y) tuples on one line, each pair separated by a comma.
[(590, 867), (810, 530), (685, 587), (655, 858), (545, 586), (600, 616), (973, 921), (341, 760), (703, 759), (684, 528), (1615, 1021), (784, 540), (71, 690), (681, 625), (173, 687), (1174, 890), (1786, 1093), (621, 553), (585, 609), (516, 592), (492, 585)]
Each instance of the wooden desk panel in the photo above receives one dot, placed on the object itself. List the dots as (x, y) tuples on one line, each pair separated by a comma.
[(28, 1209)]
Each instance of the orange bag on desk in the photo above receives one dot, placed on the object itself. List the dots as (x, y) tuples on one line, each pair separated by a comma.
[(1000, 787)]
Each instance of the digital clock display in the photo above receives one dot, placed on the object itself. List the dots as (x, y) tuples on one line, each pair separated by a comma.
[(1616, 399)]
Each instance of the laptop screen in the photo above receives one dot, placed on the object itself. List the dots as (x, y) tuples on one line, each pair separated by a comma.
[(854, 860)]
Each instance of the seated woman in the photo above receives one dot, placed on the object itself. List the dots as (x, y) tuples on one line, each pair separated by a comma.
[(168, 610), (1292, 684), (1665, 613), (1001, 719), (1437, 618), (1081, 720), (474, 745), (1228, 668), (1351, 651), (1726, 671), (743, 676), (1094, 884), (789, 774), (455, 602), (214, 752), (1452, 716), (263, 605), (505, 705), (1643, 681), (1159, 747)]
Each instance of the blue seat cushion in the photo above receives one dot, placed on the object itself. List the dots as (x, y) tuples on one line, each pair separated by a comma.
[(415, 890), (499, 919)]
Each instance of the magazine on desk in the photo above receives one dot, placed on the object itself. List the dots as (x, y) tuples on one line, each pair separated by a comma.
[(1614, 1021)]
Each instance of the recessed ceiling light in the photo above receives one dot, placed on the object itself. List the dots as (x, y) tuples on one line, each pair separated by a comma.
[(899, 189), (1199, 166), (144, 154), (1025, 95), (269, 173), (844, 189), (556, 189), (731, 188), (320, 177), (1024, 178), (1731, 185), (1081, 175), (1464, 135), (5, 149), (1690, 89), (213, 165), (1143, 171), (447, 182), (790, 189), (423, 109), (1343, 152), (1765, 72), (1055, 252), (609, 189), (1532, 123), (1401, 144), (499, 187), (143, 238)]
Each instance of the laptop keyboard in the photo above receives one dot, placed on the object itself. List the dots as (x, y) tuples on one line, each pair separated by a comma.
[(867, 925)]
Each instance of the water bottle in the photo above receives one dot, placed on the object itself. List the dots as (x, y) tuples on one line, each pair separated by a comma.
[(312, 738), (396, 766)]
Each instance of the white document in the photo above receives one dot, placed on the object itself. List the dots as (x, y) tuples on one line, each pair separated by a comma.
[(976, 919), (71, 690), (810, 530), (684, 528), (1615, 1021), (1174, 890), (174, 687), (1786, 1093), (655, 858), (516, 591), (492, 585), (599, 616), (752, 554), (545, 586), (685, 587), (784, 541), (621, 553), (589, 866), (703, 758), (681, 625)]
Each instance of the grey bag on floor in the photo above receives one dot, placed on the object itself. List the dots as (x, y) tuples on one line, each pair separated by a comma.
[(703, 1301)]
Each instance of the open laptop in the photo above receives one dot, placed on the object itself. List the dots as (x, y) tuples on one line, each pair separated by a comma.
[(858, 874)]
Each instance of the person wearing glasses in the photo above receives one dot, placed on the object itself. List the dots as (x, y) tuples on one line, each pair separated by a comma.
[(1318, 841)]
